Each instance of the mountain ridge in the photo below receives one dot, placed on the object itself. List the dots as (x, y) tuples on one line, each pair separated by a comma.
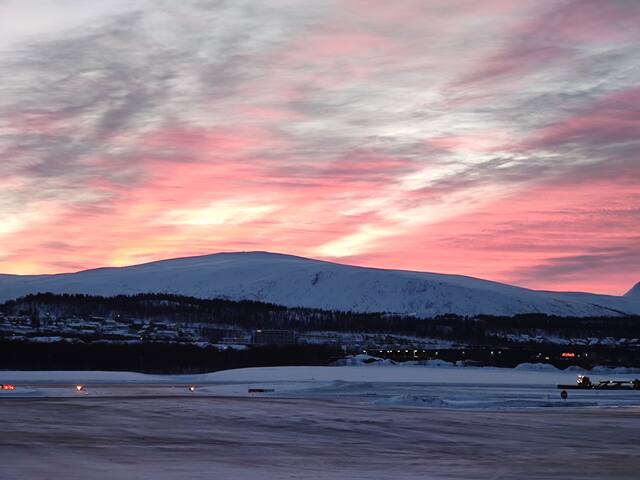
[(301, 282), (634, 292)]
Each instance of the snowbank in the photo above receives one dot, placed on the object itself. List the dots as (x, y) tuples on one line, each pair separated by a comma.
[(363, 360), (435, 372), (623, 370), (537, 367)]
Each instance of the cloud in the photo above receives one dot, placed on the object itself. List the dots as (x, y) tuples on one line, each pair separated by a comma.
[(225, 212), (605, 262), (140, 130), (609, 122)]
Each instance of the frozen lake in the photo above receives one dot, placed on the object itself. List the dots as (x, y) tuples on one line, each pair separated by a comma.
[(324, 422)]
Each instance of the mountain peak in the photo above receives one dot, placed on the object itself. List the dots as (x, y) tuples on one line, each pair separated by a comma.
[(634, 292)]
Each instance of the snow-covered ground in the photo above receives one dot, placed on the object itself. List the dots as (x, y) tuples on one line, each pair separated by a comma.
[(439, 385), (301, 282), (360, 422)]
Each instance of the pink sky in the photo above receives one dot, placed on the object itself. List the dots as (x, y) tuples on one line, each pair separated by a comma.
[(496, 139)]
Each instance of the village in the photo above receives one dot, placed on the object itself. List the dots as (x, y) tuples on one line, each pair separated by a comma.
[(118, 329)]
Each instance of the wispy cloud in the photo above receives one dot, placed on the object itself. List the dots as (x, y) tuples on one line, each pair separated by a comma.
[(491, 138)]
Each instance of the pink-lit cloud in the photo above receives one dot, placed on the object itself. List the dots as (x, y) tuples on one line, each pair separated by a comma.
[(496, 139)]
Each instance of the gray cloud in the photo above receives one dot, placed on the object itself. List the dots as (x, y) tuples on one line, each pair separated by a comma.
[(328, 94), (601, 262)]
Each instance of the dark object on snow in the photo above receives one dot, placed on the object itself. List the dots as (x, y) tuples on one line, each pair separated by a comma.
[(584, 383), (564, 394)]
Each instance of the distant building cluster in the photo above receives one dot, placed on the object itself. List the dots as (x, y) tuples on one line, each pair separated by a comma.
[(48, 328)]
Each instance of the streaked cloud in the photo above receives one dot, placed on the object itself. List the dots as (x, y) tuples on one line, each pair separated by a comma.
[(496, 139)]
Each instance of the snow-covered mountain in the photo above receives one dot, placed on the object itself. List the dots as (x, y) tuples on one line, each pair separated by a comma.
[(295, 281), (634, 292)]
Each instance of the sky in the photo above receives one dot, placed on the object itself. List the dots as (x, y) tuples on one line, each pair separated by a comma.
[(498, 139)]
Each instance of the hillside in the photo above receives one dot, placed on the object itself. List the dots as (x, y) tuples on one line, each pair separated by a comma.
[(301, 282), (634, 292)]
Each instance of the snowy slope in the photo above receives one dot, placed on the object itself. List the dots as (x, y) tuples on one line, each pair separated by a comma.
[(296, 281), (634, 292)]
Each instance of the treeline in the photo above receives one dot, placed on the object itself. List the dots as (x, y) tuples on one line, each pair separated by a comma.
[(169, 358), (251, 315)]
